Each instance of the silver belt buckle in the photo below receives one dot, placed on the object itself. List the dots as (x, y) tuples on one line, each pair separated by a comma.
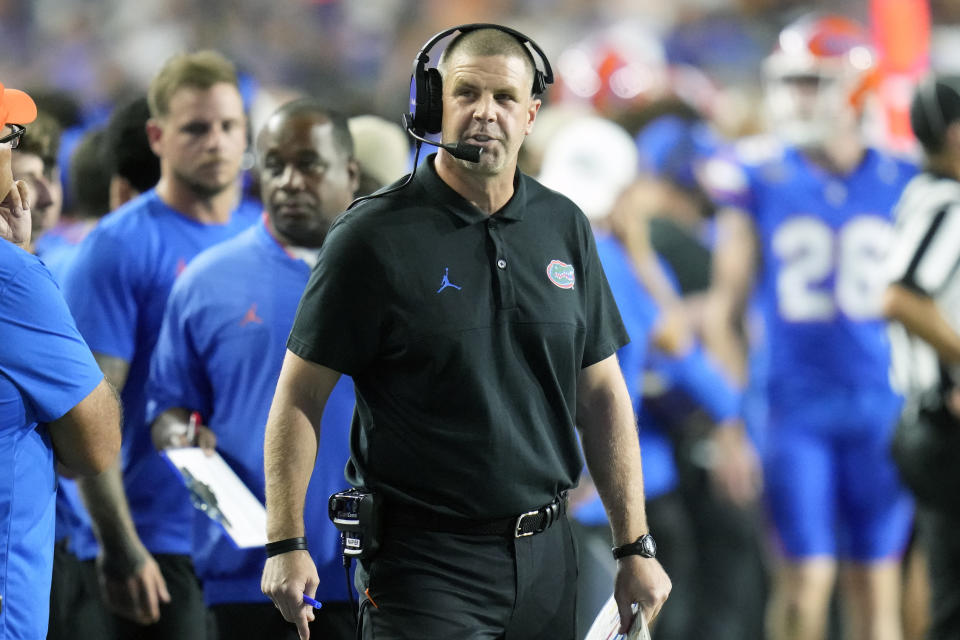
[(516, 528)]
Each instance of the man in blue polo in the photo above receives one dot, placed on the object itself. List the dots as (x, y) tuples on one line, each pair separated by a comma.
[(117, 289), (47, 375), (220, 350)]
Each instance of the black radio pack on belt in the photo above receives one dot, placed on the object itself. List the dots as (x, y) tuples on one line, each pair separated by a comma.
[(356, 514)]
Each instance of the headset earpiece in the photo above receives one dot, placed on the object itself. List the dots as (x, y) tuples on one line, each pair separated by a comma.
[(428, 103), (433, 118), (931, 107)]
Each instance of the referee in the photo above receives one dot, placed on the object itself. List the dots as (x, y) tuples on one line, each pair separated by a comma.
[(924, 300)]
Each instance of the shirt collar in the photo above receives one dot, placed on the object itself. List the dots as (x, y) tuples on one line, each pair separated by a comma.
[(445, 195), (300, 254)]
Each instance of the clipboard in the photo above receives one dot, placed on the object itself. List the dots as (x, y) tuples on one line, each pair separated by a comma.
[(220, 494), (606, 626)]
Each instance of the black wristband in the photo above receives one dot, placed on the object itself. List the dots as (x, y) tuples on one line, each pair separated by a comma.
[(284, 546)]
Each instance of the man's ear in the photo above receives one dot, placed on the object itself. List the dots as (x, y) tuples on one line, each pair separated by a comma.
[(353, 172), (154, 134), (121, 191), (532, 113), (952, 139)]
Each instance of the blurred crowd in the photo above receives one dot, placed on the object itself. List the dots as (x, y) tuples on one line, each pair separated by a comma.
[(100, 51)]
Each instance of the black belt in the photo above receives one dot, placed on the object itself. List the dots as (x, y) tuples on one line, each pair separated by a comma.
[(520, 526)]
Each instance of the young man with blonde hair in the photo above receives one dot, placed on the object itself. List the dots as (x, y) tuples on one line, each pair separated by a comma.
[(117, 289)]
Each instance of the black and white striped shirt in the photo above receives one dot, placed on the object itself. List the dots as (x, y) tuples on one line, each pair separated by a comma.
[(925, 257)]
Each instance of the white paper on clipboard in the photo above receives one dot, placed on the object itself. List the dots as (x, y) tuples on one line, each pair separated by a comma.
[(606, 626), (217, 491)]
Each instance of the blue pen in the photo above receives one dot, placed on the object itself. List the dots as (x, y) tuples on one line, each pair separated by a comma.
[(316, 604)]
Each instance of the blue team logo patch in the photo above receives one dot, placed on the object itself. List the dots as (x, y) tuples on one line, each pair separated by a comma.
[(561, 274)]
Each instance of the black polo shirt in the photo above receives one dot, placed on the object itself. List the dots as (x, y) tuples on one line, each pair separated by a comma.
[(464, 334)]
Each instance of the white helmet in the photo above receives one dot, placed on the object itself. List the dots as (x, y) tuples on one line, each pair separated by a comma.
[(818, 78)]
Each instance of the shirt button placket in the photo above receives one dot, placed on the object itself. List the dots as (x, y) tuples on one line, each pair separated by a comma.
[(504, 286)]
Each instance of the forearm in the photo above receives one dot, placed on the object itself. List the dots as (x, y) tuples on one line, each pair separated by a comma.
[(734, 263), (290, 450), (701, 380), (724, 337), (921, 316), (290, 442), (612, 452), (105, 500)]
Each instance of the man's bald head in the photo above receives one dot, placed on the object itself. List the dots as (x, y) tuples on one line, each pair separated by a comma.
[(487, 42)]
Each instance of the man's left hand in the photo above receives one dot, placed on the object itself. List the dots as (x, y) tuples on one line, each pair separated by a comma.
[(15, 219), (643, 581)]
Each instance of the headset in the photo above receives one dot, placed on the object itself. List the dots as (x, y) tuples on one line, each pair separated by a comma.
[(426, 103), (935, 106), (930, 104)]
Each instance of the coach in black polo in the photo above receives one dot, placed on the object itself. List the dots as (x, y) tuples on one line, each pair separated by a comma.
[(471, 310)]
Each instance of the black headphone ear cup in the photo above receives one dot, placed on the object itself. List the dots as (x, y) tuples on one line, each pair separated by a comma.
[(931, 107), (421, 104), (433, 118)]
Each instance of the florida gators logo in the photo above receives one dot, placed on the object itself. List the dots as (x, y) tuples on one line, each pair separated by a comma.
[(561, 274)]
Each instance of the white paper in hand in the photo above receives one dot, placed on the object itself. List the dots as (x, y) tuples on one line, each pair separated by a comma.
[(217, 491), (606, 626)]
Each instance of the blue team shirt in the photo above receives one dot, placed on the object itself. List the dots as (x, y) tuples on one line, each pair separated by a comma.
[(57, 248), (117, 287), (220, 351), (823, 239), (45, 370), (639, 314), (692, 374)]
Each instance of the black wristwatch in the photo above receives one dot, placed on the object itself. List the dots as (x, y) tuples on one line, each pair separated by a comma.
[(644, 546)]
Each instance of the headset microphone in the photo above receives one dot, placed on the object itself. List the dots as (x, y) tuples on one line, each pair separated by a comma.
[(460, 151)]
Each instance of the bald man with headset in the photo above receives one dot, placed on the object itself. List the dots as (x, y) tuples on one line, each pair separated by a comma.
[(469, 306)]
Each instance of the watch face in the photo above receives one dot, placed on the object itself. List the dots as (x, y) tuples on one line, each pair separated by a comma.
[(649, 546)]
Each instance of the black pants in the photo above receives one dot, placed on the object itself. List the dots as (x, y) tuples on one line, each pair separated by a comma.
[(729, 587), (263, 621), (938, 532), (435, 586), (183, 618), (75, 601)]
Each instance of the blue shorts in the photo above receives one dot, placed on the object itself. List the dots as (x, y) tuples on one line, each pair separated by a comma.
[(831, 486)]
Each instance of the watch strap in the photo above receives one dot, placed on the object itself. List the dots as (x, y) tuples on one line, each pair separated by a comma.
[(639, 547)]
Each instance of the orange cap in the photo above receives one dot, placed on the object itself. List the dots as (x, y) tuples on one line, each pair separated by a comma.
[(16, 107)]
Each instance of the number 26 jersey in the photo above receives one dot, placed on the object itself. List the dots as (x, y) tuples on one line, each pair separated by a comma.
[(823, 238)]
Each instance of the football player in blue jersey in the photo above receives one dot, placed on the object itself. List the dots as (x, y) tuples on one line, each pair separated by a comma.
[(806, 225)]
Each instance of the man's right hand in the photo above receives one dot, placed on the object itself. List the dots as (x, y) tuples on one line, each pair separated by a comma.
[(132, 584), (640, 581), (15, 219), (286, 577)]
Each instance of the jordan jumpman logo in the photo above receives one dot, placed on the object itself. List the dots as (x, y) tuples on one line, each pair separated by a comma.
[(446, 281)]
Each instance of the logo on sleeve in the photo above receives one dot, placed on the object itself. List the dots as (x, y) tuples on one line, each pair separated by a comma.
[(561, 274)]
